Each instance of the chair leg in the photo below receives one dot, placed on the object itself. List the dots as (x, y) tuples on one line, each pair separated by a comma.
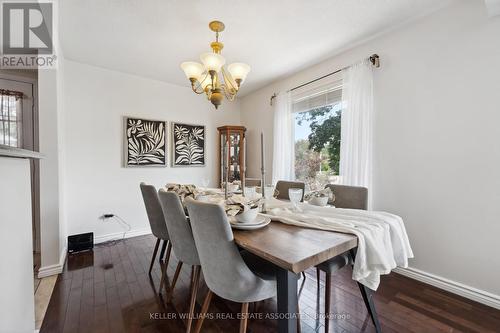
[(165, 268), (204, 309), (155, 251), (191, 280), (299, 328), (167, 256), (176, 276), (370, 306), (244, 318), (318, 277), (195, 278), (328, 288), (162, 252), (163, 277)]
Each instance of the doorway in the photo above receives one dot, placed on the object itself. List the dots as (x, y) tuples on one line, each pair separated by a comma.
[(19, 129)]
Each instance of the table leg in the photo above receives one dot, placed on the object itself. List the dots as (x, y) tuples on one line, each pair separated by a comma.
[(367, 294), (370, 305), (287, 301)]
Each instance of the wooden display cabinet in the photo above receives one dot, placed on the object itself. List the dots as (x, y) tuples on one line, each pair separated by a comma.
[(234, 138)]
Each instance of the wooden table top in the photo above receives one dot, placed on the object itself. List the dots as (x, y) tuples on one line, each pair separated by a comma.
[(294, 248)]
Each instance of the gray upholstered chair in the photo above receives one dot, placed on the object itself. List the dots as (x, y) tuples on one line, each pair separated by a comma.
[(282, 186), (352, 197), (157, 223), (181, 238), (225, 272)]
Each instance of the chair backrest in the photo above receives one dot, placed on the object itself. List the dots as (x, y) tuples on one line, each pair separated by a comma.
[(224, 270), (354, 197), (179, 230), (154, 210), (252, 181), (283, 186)]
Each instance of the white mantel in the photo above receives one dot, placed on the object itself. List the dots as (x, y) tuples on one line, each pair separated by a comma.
[(17, 312)]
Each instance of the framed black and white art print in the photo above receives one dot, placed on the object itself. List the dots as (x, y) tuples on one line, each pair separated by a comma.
[(188, 145), (145, 142)]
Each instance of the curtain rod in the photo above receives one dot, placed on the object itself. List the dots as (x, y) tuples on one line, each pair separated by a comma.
[(374, 59), (17, 94)]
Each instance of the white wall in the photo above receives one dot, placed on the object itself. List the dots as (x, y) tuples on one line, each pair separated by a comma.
[(436, 137), (49, 146), (51, 142), (17, 312), (96, 100), (61, 117)]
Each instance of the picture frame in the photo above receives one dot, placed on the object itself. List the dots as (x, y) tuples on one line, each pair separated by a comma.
[(145, 142), (188, 145)]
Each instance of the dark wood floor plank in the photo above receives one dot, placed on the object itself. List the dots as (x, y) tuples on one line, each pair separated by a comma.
[(72, 317), (109, 290), (87, 306)]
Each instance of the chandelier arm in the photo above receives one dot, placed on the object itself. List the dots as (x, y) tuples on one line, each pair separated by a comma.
[(196, 89), (229, 95), (228, 81), (228, 89)]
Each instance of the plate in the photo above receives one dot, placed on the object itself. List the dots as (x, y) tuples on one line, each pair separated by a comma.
[(260, 222)]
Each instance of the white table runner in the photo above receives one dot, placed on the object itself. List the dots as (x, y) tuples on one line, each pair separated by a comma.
[(383, 242)]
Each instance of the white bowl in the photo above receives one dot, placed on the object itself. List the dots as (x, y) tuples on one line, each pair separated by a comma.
[(319, 201), (232, 187), (247, 216)]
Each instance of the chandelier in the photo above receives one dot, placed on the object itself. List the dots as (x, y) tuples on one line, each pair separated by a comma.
[(211, 78)]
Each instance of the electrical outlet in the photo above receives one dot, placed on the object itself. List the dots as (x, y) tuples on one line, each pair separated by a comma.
[(106, 216)]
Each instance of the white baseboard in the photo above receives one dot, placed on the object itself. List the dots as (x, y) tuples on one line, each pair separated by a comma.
[(58, 268), (119, 235), (463, 290), (53, 269)]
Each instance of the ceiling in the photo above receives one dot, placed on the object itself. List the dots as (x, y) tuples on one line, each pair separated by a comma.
[(151, 38)]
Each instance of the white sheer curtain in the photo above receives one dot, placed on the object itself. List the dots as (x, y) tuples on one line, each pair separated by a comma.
[(283, 141), (357, 122)]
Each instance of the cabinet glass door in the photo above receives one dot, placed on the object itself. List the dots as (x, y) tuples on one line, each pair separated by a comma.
[(231, 153), (233, 160)]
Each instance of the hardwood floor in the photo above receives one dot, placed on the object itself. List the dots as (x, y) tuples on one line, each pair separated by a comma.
[(109, 290)]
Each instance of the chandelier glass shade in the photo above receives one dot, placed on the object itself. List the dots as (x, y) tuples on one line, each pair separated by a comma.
[(210, 77)]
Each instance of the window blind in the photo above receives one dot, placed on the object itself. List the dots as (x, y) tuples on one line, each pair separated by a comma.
[(315, 97)]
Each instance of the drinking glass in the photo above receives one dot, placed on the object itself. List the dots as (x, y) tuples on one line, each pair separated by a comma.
[(295, 195), (205, 182), (268, 191), (250, 192)]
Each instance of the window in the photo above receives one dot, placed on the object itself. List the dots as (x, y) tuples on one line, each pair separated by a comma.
[(317, 115), (10, 118)]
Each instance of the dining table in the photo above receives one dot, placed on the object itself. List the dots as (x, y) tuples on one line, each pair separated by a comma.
[(292, 250)]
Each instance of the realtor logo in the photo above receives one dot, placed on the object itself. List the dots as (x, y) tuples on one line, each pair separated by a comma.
[(27, 31), (27, 28)]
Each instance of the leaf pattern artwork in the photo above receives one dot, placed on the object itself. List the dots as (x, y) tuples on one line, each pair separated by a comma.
[(189, 145), (145, 142)]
